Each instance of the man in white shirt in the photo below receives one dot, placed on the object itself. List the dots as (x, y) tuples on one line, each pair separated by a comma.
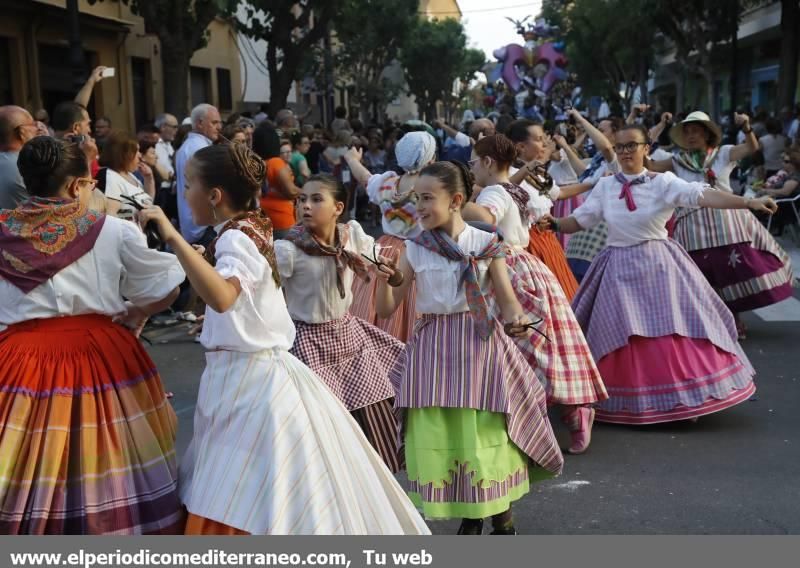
[(167, 126), (206, 128), (16, 128)]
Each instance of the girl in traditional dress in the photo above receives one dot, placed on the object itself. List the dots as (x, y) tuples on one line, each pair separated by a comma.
[(273, 452), (534, 151), (664, 342), (87, 437), (584, 246), (317, 262), (475, 413), (558, 351), (735, 252), (393, 194)]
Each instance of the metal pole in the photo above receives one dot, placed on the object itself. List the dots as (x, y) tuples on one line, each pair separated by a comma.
[(76, 60)]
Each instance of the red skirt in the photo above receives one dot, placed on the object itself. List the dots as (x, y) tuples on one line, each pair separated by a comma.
[(87, 437), (401, 323)]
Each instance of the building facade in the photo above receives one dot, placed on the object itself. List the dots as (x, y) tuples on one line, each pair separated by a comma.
[(34, 53)]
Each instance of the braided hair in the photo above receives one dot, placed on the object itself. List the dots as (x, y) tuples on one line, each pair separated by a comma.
[(46, 164), (235, 169), (453, 175)]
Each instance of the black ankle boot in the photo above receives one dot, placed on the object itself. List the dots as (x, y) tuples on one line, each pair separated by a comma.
[(471, 527)]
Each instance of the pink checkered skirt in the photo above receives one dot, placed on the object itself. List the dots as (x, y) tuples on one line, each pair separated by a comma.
[(354, 358), (564, 208), (401, 323), (563, 359)]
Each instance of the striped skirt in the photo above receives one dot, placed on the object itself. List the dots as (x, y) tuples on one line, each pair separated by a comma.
[(274, 452), (559, 353), (746, 275), (401, 323), (354, 358), (87, 444), (544, 246), (664, 342), (564, 208), (447, 364)]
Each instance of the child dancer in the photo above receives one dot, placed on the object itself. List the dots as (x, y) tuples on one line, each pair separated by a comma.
[(475, 413), (317, 262), (273, 452), (393, 193), (664, 342), (559, 353)]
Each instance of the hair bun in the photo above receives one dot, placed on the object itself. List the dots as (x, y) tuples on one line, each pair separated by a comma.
[(249, 166), (40, 157)]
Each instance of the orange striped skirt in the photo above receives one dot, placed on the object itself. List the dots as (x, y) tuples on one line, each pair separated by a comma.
[(87, 437), (545, 246), (401, 323)]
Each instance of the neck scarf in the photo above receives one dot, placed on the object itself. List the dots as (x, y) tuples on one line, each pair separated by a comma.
[(520, 197), (43, 236), (626, 192), (258, 229), (694, 161), (344, 259), (594, 165), (439, 242)]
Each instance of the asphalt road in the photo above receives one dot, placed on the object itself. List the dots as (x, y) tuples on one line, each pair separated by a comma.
[(735, 472)]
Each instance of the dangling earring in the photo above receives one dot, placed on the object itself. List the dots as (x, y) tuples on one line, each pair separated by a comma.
[(214, 212)]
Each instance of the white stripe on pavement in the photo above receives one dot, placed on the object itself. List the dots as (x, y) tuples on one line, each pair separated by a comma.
[(787, 310)]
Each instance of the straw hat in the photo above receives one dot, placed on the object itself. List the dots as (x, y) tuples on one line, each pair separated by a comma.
[(676, 132)]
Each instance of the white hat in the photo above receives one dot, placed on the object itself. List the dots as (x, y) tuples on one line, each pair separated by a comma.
[(187, 121), (698, 116)]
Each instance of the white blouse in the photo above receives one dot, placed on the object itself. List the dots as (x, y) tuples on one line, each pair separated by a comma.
[(310, 281), (499, 202), (117, 186), (721, 165), (438, 279), (538, 204), (258, 319), (656, 199), (562, 171), (119, 267)]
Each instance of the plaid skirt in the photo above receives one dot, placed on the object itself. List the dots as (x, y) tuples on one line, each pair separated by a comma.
[(585, 245), (354, 358), (447, 364), (401, 323), (563, 357), (87, 438), (564, 208)]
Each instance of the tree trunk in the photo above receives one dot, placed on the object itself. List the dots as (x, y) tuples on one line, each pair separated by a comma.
[(644, 71), (713, 111), (787, 75), (175, 65), (280, 84), (734, 78)]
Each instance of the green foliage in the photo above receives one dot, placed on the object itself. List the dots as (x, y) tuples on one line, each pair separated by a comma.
[(369, 34), (434, 56)]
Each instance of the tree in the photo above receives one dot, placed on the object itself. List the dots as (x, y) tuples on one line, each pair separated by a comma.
[(181, 27), (790, 45), (366, 47), (604, 50), (292, 30), (434, 56)]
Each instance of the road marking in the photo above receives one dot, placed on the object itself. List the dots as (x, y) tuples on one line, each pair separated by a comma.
[(570, 486), (787, 310)]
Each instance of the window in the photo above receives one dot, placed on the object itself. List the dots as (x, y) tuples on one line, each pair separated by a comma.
[(141, 80), (224, 89), (201, 85)]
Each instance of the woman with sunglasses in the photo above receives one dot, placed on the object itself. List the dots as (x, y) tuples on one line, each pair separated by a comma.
[(87, 437), (644, 301), (318, 262), (558, 351), (394, 194), (738, 256)]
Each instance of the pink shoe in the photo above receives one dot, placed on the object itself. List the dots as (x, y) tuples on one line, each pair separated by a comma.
[(579, 420)]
